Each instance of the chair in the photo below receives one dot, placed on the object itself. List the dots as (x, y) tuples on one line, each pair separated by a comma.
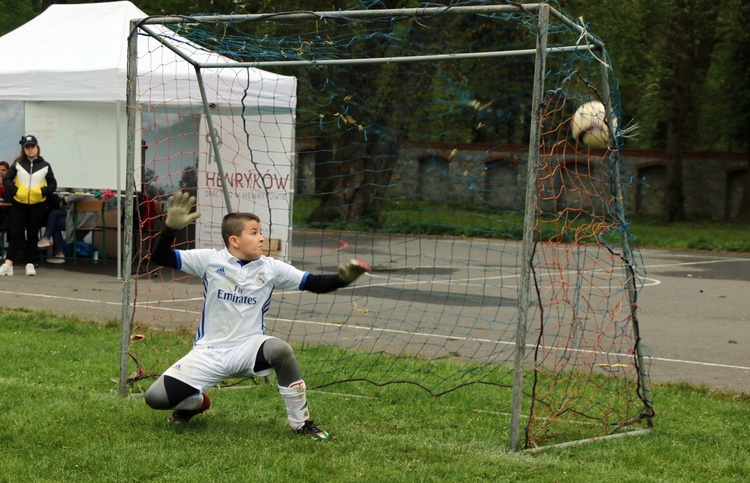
[(88, 216)]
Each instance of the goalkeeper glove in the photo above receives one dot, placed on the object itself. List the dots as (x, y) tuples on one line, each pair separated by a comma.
[(351, 270), (178, 210)]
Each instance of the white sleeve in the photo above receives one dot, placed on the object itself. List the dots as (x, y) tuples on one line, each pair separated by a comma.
[(194, 261), (286, 276)]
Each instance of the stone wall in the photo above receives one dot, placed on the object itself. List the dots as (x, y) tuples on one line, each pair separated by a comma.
[(482, 175)]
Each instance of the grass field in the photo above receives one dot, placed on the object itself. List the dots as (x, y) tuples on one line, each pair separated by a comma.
[(63, 421)]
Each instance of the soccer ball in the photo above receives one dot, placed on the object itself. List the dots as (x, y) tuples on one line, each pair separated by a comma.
[(588, 125)]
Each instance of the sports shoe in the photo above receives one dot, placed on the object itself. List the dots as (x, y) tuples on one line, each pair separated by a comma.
[(313, 431), (57, 259), (6, 270), (44, 243), (182, 416), (30, 270)]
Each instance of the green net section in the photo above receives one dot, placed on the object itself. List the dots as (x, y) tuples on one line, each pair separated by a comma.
[(419, 168)]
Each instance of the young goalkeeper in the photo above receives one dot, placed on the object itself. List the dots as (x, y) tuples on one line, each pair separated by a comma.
[(231, 339)]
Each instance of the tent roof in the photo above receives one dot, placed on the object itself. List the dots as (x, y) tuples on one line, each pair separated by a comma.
[(79, 53)]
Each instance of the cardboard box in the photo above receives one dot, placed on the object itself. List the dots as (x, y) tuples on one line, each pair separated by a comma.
[(111, 221)]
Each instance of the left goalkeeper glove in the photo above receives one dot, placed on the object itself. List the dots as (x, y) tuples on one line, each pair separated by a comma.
[(178, 211), (351, 270)]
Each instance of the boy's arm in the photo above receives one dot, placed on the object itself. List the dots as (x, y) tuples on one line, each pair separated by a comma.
[(348, 273), (162, 252), (323, 283)]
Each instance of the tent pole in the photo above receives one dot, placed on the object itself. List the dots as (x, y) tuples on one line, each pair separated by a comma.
[(118, 189), (214, 141)]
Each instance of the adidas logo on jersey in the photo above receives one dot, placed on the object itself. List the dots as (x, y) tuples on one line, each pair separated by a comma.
[(221, 271)]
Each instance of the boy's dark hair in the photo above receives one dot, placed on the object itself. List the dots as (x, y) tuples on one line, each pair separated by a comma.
[(5, 163), (234, 223)]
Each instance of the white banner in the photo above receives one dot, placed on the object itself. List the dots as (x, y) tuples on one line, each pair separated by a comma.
[(257, 155)]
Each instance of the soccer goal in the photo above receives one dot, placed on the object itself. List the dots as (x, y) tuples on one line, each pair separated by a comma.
[(433, 143)]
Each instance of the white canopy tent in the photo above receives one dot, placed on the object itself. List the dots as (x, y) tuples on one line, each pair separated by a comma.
[(63, 78)]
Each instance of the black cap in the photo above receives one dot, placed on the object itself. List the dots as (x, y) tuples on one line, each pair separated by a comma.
[(28, 139)]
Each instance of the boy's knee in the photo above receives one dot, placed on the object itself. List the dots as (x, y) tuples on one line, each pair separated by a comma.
[(280, 356), (276, 351), (156, 396), (167, 392)]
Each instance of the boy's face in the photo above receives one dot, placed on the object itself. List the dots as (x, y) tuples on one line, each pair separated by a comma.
[(249, 244)]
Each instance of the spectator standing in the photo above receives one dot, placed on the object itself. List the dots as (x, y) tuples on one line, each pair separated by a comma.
[(28, 183)]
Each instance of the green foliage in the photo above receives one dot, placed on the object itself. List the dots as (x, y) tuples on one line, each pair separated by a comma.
[(14, 13), (636, 34), (418, 217), (647, 40), (738, 80), (63, 422)]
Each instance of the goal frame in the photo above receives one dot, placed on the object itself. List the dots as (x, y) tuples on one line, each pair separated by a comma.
[(541, 12)]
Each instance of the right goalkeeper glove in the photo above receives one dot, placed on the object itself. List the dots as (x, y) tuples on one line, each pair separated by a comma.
[(351, 270), (178, 210)]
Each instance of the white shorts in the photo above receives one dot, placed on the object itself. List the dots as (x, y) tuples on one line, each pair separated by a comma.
[(205, 367)]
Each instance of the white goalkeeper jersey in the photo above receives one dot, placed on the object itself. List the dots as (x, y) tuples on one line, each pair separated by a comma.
[(236, 296)]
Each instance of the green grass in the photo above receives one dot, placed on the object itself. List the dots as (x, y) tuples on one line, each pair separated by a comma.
[(63, 421), (694, 235), (412, 216)]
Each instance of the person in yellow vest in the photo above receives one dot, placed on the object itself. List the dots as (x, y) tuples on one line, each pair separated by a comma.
[(27, 184)]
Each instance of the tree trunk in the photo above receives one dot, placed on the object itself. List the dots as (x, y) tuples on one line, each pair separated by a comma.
[(743, 213), (695, 47), (355, 189), (362, 164), (742, 106), (674, 202)]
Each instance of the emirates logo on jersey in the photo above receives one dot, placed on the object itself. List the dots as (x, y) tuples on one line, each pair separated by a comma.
[(261, 278)]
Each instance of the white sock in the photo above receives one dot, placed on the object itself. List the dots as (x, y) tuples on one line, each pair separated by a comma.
[(295, 400), (191, 403)]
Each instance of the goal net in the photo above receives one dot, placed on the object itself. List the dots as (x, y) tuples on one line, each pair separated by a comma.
[(432, 143)]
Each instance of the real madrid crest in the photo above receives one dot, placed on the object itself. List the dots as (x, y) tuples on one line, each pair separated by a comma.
[(261, 279)]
